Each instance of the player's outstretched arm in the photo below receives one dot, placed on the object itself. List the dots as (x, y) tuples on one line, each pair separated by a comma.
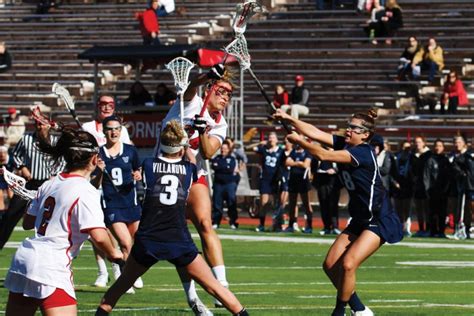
[(316, 150), (304, 128), (101, 239)]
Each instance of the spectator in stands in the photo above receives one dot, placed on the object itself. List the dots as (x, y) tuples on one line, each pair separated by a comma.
[(406, 60), (280, 97), (374, 24), (46, 6), (165, 8), (402, 190), (164, 95), (384, 160), (385, 21), (419, 158), (299, 99), (326, 182), (15, 126), (149, 25), (138, 96), (33, 165), (224, 187), (463, 169), (454, 94), (5, 58), (435, 178), (105, 108), (430, 58)]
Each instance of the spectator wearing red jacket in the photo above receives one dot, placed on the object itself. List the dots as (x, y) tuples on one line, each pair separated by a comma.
[(454, 94), (149, 26), (280, 97)]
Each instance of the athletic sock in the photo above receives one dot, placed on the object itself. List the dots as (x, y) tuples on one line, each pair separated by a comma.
[(340, 309), (101, 312), (243, 312), (355, 303), (190, 290), (309, 220), (102, 266), (219, 273)]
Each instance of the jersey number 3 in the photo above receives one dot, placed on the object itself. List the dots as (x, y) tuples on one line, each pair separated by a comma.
[(171, 184), (49, 205)]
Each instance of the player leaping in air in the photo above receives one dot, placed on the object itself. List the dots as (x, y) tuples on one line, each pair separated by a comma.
[(206, 133), (163, 233), (374, 221)]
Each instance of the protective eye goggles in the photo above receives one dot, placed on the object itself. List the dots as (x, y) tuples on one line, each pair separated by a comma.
[(221, 91), (358, 129)]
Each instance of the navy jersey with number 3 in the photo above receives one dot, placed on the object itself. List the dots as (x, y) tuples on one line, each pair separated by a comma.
[(167, 183)]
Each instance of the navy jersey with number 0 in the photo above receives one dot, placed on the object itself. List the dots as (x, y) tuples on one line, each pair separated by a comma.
[(120, 169), (167, 183), (362, 180), (271, 162)]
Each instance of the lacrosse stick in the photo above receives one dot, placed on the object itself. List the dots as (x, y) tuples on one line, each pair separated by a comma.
[(238, 49), (243, 13), (17, 185), (460, 227), (180, 68), (43, 119), (64, 94)]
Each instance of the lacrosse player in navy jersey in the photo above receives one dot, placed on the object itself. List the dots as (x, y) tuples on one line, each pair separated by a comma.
[(163, 233), (272, 156), (374, 221), (119, 193)]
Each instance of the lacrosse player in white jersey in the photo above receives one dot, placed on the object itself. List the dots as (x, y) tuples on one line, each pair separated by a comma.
[(207, 129), (64, 214)]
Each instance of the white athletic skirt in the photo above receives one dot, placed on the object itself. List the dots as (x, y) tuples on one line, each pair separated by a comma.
[(18, 283)]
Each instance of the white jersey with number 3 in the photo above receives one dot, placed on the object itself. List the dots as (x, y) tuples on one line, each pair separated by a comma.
[(217, 125), (66, 208)]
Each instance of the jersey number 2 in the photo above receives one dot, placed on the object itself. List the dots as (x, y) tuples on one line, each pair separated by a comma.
[(49, 205), (171, 184)]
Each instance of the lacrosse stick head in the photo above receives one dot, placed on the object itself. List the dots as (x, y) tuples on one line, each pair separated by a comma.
[(238, 49), (43, 119), (64, 94), (243, 13), (180, 68), (17, 184)]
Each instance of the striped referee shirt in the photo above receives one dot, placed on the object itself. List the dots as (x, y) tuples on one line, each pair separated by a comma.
[(27, 153)]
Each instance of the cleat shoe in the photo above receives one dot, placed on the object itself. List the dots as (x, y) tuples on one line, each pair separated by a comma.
[(296, 228), (233, 227), (325, 232), (260, 229), (138, 284), (335, 231), (307, 230), (199, 308), (101, 280), (365, 312), (130, 291)]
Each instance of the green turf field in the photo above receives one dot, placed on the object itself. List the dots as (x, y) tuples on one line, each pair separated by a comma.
[(284, 277)]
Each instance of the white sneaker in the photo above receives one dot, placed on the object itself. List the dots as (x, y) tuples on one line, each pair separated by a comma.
[(101, 280), (215, 226), (365, 312), (296, 228), (233, 227), (116, 270), (130, 291), (138, 283), (199, 308)]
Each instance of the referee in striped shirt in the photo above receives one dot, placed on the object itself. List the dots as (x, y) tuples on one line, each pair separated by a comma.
[(33, 165)]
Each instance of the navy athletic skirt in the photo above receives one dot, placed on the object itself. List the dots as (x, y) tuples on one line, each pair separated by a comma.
[(122, 215), (388, 228)]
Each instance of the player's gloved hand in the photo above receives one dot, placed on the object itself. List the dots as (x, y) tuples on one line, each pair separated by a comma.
[(200, 124), (216, 72)]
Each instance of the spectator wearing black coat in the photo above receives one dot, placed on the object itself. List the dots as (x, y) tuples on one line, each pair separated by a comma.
[(138, 95), (5, 58), (385, 23), (406, 59), (419, 158), (435, 177), (402, 188), (463, 169), (164, 95)]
